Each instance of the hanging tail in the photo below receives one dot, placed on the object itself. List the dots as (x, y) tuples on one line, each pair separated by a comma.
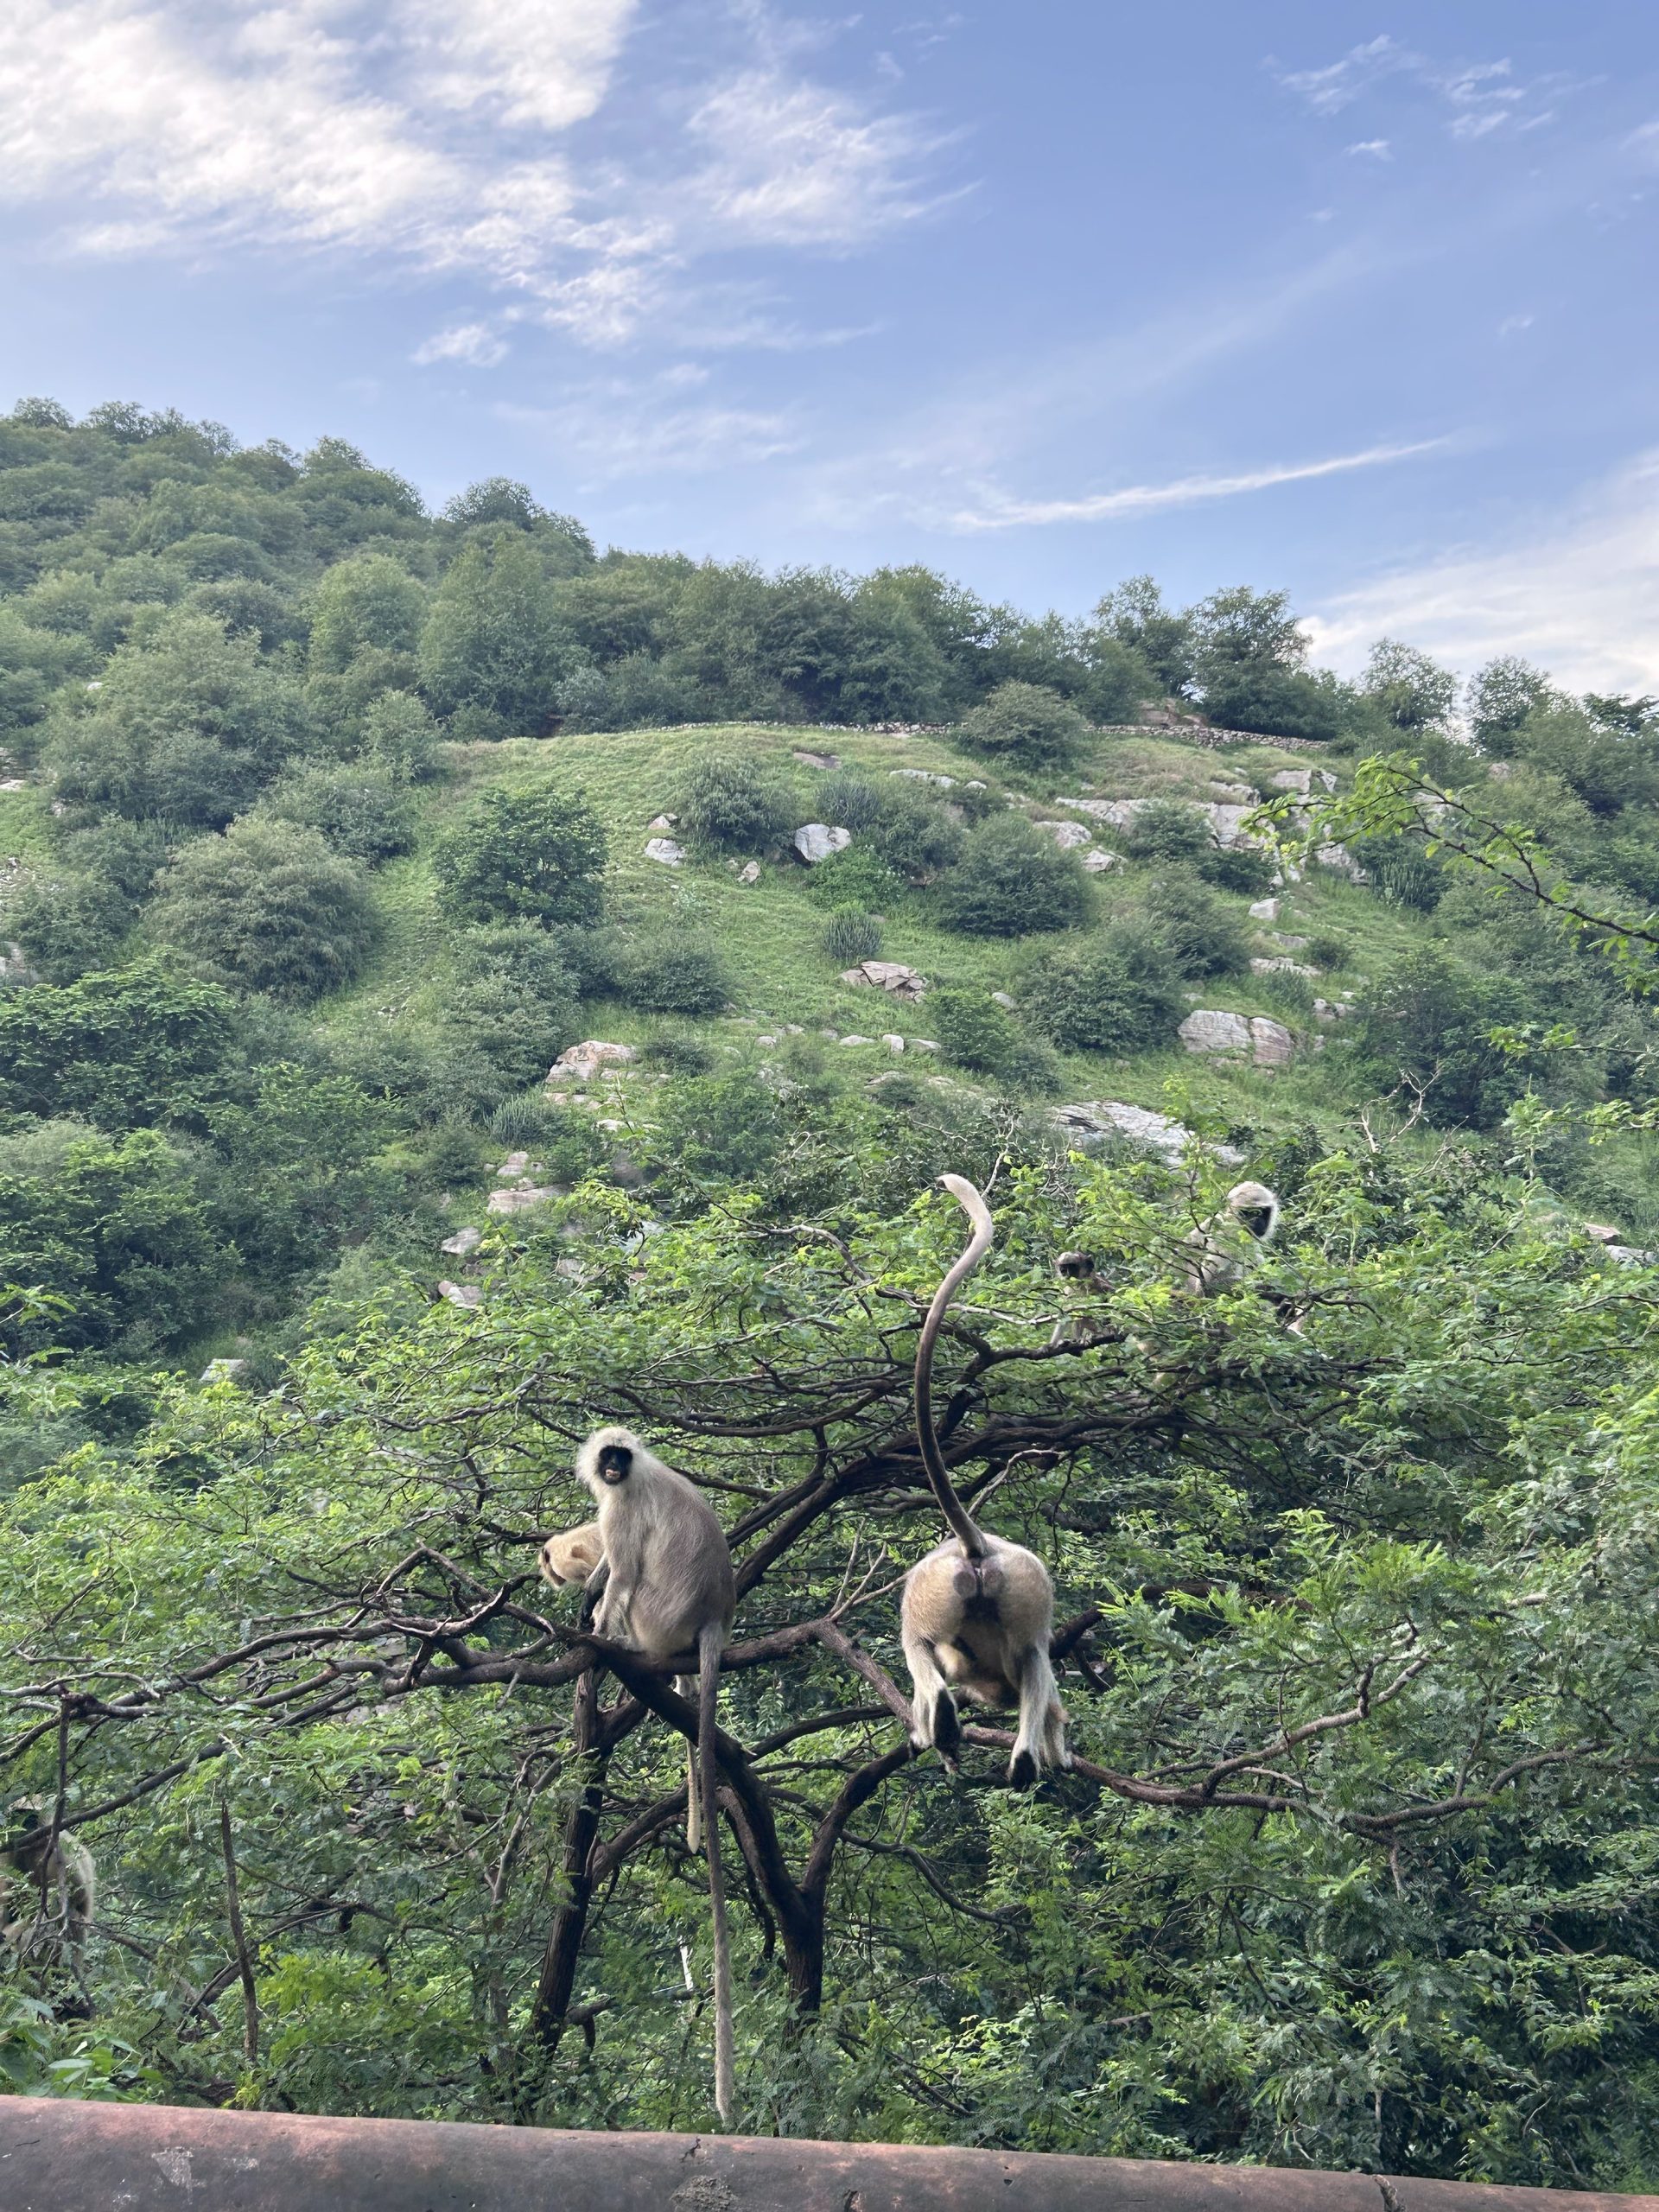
[(693, 1787), (709, 1651)]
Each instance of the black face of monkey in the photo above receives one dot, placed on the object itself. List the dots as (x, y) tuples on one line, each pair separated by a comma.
[(1257, 1219), (615, 1463)]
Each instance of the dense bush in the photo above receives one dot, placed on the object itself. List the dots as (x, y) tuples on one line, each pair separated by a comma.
[(913, 833), (1117, 992), (494, 654), (533, 855), (267, 906), (1425, 1024), (978, 1033), (731, 804), (1168, 829), (400, 736), (363, 810), (849, 800), (850, 935), (1246, 870), (1206, 934), (1012, 881), (144, 1045), (65, 924), (1025, 726), (510, 1008), (857, 876), (675, 972)]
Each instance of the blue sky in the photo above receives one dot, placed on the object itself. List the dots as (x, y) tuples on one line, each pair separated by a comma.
[(1357, 301)]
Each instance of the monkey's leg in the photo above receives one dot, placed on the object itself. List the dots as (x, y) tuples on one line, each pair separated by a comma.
[(932, 1709), (693, 1801), (1037, 1694)]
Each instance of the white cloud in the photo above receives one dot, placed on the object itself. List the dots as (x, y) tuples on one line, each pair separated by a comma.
[(1378, 148), (1578, 595), (796, 164), (473, 343), (438, 131), (1479, 97), (1328, 90), (1003, 513)]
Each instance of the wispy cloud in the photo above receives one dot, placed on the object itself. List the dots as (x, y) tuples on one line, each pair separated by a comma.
[(1477, 98), (619, 428), (439, 132), (1004, 513), (1578, 595), (473, 343), (1378, 148)]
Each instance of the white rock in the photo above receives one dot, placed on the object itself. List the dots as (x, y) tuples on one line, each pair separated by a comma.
[(466, 1294), (1603, 1231), (581, 1063), (750, 874), (1273, 1044), (858, 1041), (523, 1196), (1210, 1030), (1626, 1256), (1098, 860), (793, 1029), (1230, 791), (887, 975), (1068, 836), (662, 823), (1227, 823), (514, 1164), (1098, 1117), (1291, 779), (665, 850), (1281, 967), (1003, 998), (892, 1040), (811, 759), (927, 776), (1341, 861), (14, 784), (1264, 910), (816, 841), (975, 784), (924, 1044), (222, 1370), (463, 1242), (1120, 812), (766, 1039)]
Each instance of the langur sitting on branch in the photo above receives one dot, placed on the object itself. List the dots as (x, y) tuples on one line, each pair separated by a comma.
[(48, 1887), (572, 1555), (669, 1588), (978, 1613), (1223, 1250)]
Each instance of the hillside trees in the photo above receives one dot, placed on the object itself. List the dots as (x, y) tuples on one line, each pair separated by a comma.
[(531, 855), (494, 648), (1346, 1696), (267, 906)]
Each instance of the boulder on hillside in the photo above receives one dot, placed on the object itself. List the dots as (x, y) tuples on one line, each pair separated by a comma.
[(887, 975), (927, 776), (817, 841), (1068, 836), (666, 850), (581, 1063), (463, 1243), (750, 872), (1098, 860), (1264, 910), (807, 759), (1207, 1029), (1271, 1044), (1093, 1119), (1281, 967), (663, 823), (465, 1294)]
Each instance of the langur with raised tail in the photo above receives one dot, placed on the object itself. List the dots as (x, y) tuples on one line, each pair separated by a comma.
[(669, 1589), (978, 1613)]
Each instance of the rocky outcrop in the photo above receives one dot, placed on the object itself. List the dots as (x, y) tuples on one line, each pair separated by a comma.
[(1210, 1029), (887, 975), (1280, 966), (581, 1063), (666, 850), (463, 1243), (1098, 1119), (1264, 910), (467, 1295), (1068, 836), (817, 841)]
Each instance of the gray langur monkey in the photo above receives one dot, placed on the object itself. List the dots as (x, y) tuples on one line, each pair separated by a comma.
[(1080, 1276), (1222, 1252), (575, 1555), (48, 1886), (977, 1612), (571, 1555), (670, 1588)]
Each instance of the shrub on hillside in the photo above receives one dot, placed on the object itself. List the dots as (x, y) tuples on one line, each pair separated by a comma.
[(850, 799), (532, 855), (850, 935), (363, 810), (913, 834), (730, 804), (269, 907), (510, 1007), (66, 925), (1246, 870), (400, 736), (856, 876), (1012, 881), (1204, 934), (676, 1052), (1168, 829), (1118, 992), (1027, 725), (978, 1033), (673, 972), (566, 1146)]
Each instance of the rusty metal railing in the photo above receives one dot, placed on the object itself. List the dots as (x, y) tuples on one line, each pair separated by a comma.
[(60, 2156)]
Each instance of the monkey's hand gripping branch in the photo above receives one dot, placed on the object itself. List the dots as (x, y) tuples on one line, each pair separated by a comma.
[(962, 1522)]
